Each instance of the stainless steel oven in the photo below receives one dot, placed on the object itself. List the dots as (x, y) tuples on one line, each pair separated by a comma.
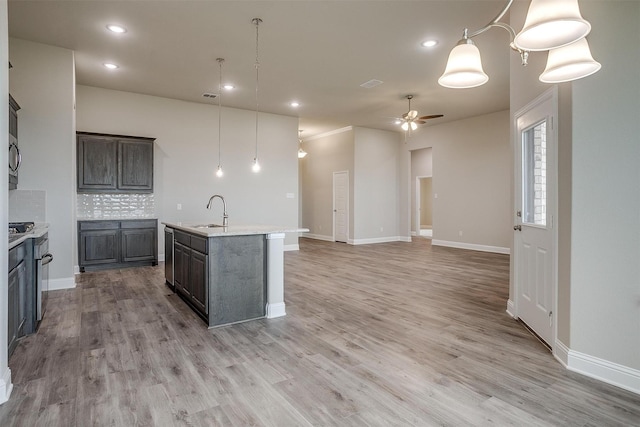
[(42, 258)]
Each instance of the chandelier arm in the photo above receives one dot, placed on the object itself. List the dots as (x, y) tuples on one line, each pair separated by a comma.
[(493, 23)]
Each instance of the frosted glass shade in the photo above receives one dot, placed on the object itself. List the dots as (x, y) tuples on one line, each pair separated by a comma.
[(551, 24), (569, 63), (464, 67), (301, 153), (404, 126)]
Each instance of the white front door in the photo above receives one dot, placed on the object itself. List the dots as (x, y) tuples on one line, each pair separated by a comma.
[(535, 197), (340, 206)]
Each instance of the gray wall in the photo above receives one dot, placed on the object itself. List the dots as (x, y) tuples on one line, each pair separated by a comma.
[(472, 178), (186, 156), (330, 153), (43, 83), (598, 195)]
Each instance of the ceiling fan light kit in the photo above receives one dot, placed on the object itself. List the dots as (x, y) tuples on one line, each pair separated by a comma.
[(410, 120), (550, 25)]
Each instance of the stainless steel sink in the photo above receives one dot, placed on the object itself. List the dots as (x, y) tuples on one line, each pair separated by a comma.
[(208, 226)]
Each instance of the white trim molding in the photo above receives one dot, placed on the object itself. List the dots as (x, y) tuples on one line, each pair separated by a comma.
[(471, 246), (276, 310), (5, 385), (604, 370), (294, 247), (511, 308), (380, 240), (329, 133), (64, 283), (318, 237)]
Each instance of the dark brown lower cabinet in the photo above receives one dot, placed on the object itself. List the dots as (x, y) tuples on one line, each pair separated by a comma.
[(190, 270), (106, 244)]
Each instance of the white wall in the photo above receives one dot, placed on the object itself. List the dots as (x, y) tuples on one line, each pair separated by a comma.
[(333, 152), (472, 178), (5, 372), (376, 196), (43, 83), (186, 156)]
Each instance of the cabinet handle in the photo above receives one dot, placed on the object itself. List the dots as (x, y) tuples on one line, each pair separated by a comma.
[(18, 158)]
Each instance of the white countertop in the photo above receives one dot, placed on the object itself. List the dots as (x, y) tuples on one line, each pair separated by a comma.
[(232, 230), (39, 230)]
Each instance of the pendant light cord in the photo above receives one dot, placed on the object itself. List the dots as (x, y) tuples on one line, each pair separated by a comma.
[(257, 22), (220, 61)]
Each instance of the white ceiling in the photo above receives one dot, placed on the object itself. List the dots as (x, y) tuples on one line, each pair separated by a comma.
[(316, 52)]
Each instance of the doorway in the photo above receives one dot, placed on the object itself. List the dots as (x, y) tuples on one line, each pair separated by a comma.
[(341, 206), (424, 203), (535, 234)]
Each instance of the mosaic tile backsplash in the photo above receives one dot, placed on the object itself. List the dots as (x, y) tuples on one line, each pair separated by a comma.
[(115, 206)]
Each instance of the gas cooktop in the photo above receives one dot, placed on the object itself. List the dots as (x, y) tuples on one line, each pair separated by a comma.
[(20, 227)]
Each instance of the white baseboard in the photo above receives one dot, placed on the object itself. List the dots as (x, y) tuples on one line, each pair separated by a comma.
[(5, 385), (295, 247), (561, 353), (64, 283), (604, 370), (472, 246), (381, 240), (318, 237), (511, 308), (160, 257), (276, 310)]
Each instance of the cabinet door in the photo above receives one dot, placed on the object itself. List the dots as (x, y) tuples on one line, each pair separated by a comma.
[(135, 165), (98, 247), (139, 244), (198, 280), (15, 306), (181, 268), (97, 161)]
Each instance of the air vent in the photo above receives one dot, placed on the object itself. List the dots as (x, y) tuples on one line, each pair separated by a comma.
[(209, 95), (371, 83)]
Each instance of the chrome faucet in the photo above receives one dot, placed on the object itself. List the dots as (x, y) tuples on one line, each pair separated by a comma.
[(225, 217)]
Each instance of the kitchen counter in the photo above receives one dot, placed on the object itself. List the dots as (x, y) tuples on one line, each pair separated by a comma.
[(39, 230), (231, 230)]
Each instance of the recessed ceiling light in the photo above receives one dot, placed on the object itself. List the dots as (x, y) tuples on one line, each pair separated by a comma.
[(294, 104), (110, 66), (229, 86), (429, 43), (116, 28)]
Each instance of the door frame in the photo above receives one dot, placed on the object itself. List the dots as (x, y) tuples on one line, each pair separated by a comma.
[(552, 95), (333, 203)]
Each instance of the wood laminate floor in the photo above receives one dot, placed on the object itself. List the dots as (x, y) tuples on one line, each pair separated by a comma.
[(394, 334)]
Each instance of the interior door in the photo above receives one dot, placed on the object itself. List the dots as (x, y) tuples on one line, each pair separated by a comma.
[(340, 206), (534, 236)]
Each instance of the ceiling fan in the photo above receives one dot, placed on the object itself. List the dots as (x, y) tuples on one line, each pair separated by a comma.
[(410, 120)]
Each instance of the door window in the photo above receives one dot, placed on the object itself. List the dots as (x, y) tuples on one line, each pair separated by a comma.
[(534, 175)]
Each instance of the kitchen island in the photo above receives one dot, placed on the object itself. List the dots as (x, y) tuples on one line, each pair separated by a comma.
[(229, 274)]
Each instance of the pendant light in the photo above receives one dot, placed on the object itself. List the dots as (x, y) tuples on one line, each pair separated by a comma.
[(464, 67), (219, 172), (551, 24), (301, 152), (569, 62), (256, 164)]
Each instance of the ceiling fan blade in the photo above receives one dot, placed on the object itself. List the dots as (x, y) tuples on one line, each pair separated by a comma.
[(420, 122), (432, 116), (412, 114)]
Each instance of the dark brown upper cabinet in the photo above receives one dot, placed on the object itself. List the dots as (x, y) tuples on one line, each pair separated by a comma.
[(114, 163)]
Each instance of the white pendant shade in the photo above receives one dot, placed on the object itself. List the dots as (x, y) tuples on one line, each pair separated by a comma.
[(551, 24), (404, 126), (414, 126), (569, 63), (464, 67), (301, 153)]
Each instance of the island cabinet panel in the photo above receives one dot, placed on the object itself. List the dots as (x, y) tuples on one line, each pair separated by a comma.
[(237, 279), (115, 244), (190, 270), (114, 163)]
